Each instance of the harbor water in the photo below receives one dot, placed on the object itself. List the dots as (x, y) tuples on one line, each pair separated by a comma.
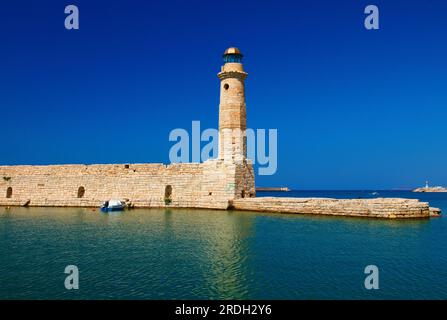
[(212, 254)]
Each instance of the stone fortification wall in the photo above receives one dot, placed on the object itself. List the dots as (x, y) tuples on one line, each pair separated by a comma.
[(207, 185)]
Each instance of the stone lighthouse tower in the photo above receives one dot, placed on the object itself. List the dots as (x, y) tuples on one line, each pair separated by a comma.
[(232, 108)]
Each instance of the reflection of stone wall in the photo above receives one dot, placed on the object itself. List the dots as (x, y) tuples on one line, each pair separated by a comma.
[(374, 208), (209, 185)]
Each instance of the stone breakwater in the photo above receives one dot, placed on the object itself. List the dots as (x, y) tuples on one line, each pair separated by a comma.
[(430, 189), (390, 208)]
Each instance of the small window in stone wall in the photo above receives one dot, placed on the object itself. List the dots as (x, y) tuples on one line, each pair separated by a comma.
[(81, 192), (168, 194), (243, 193), (226, 86), (9, 192)]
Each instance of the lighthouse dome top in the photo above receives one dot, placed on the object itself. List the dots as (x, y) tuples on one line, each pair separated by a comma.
[(233, 50), (232, 54)]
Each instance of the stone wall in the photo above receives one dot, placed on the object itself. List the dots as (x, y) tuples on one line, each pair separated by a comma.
[(207, 185), (214, 184), (374, 208)]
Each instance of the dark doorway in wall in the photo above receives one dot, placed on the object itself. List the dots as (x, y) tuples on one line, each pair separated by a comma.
[(168, 194), (243, 194), (9, 192), (81, 192)]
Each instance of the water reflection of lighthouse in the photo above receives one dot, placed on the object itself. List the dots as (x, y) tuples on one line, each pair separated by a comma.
[(226, 252), (215, 248)]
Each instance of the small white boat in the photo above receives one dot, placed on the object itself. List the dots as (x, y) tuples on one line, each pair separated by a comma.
[(113, 205)]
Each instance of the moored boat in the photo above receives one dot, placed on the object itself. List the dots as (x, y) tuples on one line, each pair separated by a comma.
[(113, 205)]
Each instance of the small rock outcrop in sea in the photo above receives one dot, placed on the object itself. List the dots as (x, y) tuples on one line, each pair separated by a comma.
[(435, 212)]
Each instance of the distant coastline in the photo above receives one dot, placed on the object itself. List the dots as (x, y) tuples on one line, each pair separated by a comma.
[(266, 189), (430, 189)]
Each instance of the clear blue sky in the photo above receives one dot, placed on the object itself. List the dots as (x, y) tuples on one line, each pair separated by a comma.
[(354, 109)]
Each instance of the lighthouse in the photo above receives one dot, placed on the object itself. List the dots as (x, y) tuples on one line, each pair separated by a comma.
[(232, 108)]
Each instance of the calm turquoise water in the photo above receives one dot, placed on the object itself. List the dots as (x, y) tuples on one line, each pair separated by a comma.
[(203, 254)]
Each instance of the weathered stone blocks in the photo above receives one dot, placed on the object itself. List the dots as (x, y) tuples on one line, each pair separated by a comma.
[(375, 208), (206, 185)]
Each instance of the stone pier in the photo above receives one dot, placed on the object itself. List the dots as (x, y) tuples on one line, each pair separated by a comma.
[(390, 208)]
